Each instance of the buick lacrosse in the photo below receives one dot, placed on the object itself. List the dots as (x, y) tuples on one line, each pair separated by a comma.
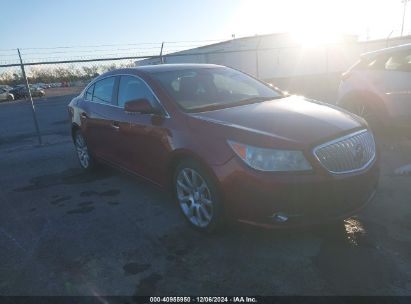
[(229, 146)]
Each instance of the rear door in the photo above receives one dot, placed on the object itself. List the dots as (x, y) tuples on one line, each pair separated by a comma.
[(96, 118), (397, 82)]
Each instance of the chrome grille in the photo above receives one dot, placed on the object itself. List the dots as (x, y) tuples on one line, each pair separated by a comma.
[(350, 153)]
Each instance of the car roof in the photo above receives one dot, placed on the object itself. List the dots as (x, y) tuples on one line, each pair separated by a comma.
[(397, 48)]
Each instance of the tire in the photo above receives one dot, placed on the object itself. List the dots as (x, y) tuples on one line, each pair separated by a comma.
[(10, 97), (364, 108), (86, 160), (197, 196)]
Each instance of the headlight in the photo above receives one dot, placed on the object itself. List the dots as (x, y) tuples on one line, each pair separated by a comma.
[(270, 159)]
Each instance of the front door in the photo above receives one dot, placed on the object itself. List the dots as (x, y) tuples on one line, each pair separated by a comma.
[(141, 143)]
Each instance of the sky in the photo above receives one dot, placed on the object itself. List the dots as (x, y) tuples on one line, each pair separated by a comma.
[(47, 23)]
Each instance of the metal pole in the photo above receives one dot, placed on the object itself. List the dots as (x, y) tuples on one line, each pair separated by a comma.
[(327, 59), (33, 109), (161, 53), (257, 64), (388, 38), (403, 16)]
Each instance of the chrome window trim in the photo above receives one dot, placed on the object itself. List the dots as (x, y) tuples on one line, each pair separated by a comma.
[(105, 104), (84, 93), (372, 159), (166, 114)]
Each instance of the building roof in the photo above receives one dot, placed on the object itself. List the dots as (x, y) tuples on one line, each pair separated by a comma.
[(173, 67), (250, 43), (160, 68)]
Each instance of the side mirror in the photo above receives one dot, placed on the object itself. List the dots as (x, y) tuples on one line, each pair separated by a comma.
[(141, 106)]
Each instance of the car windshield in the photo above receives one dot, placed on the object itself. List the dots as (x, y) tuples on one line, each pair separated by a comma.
[(203, 89)]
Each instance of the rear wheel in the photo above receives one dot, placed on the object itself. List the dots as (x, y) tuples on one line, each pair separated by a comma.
[(197, 196), (10, 97), (86, 160)]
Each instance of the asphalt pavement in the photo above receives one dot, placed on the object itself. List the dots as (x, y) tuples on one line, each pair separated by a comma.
[(67, 232)]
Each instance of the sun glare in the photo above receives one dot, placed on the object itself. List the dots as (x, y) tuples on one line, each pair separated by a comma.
[(312, 38), (311, 23)]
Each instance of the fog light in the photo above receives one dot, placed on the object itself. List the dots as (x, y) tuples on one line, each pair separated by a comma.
[(280, 217)]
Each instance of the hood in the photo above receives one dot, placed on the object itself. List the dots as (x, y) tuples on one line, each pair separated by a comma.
[(294, 119)]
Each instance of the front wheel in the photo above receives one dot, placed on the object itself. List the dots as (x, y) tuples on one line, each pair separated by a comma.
[(86, 160), (197, 197)]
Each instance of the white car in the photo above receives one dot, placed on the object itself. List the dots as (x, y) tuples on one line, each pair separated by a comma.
[(5, 95), (378, 87)]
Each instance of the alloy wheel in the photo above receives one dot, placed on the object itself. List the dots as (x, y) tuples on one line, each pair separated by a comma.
[(82, 150), (364, 111), (194, 197)]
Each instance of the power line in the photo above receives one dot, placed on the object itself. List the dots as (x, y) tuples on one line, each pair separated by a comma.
[(141, 51), (86, 46), (211, 40), (76, 61), (113, 45), (87, 51), (109, 50), (8, 50)]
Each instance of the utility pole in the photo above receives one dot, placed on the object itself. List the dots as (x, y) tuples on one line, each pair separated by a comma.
[(33, 109), (403, 15)]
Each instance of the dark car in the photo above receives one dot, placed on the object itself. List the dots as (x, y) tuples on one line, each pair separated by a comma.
[(20, 92), (230, 146), (5, 95)]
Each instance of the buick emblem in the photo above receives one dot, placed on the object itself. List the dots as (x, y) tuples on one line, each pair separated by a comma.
[(358, 153)]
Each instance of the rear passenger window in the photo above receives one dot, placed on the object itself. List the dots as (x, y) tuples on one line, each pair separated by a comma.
[(89, 93), (377, 63), (399, 62), (103, 90)]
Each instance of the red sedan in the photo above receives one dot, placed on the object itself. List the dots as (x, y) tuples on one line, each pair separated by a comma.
[(230, 146)]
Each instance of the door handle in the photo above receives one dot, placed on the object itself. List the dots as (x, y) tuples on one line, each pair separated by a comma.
[(115, 125)]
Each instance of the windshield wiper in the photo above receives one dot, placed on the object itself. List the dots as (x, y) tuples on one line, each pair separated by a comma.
[(217, 106), (256, 99)]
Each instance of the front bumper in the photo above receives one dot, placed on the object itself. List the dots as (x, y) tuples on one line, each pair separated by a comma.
[(254, 197)]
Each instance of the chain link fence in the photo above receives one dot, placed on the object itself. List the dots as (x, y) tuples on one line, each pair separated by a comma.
[(36, 95), (55, 75), (36, 84)]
